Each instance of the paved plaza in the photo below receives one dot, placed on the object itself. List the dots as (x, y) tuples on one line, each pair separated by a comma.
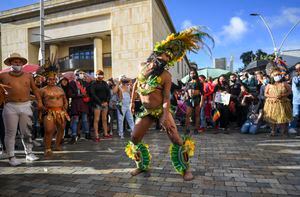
[(224, 165)]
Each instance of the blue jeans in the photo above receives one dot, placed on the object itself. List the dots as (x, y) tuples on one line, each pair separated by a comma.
[(296, 113), (128, 115), (249, 127), (84, 121), (202, 117)]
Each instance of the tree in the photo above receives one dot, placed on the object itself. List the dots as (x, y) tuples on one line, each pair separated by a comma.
[(260, 55), (247, 57)]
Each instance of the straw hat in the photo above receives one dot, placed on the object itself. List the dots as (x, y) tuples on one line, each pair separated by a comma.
[(14, 56)]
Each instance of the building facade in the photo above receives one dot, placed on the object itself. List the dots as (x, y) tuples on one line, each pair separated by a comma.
[(291, 57), (220, 63), (111, 35)]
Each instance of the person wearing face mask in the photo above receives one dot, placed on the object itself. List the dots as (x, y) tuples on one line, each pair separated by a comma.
[(124, 112), (18, 106), (79, 105), (261, 96), (223, 121), (100, 94), (234, 105), (194, 100), (296, 100), (277, 109), (114, 103)]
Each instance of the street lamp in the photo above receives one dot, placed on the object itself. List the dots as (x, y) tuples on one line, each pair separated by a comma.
[(288, 33), (269, 30), (42, 32), (276, 51)]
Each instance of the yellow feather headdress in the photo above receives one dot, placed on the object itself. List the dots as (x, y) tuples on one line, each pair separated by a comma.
[(177, 44)]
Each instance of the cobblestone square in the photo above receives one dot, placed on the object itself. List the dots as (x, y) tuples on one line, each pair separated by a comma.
[(224, 165)]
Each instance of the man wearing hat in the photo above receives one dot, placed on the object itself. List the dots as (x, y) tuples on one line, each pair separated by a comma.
[(17, 109)]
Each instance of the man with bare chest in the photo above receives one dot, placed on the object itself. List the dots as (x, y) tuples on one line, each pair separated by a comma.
[(153, 84), (55, 115), (17, 109)]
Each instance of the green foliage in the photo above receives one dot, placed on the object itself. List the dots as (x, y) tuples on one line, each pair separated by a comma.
[(249, 56)]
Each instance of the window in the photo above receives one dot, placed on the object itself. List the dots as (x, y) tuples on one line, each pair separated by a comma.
[(82, 52), (107, 59)]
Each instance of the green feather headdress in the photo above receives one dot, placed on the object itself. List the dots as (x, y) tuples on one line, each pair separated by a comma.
[(176, 45)]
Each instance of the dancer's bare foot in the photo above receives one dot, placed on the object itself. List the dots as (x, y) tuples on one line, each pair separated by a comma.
[(188, 176), (136, 172)]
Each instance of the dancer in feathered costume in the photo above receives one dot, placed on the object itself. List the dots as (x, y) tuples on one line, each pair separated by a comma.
[(153, 85), (54, 115)]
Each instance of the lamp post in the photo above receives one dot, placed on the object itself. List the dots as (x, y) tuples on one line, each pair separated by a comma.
[(276, 51), (269, 30), (287, 34), (42, 32)]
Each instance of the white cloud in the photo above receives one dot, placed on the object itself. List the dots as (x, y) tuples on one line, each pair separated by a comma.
[(288, 16), (234, 31), (186, 24)]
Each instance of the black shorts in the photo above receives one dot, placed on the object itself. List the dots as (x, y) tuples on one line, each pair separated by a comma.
[(193, 102)]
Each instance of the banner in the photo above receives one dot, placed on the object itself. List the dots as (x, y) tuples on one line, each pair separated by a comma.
[(222, 98)]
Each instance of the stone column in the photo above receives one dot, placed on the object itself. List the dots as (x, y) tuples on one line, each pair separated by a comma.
[(98, 54), (53, 53)]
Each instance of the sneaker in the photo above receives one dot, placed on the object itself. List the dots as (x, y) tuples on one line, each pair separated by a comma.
[(4, 155), (122, 136), (107, 136), (14, 162), (36, 143), (292, 131), (31, 157), (88, 136), (67, 136), (97, 139), (73, 140), (201, 130)]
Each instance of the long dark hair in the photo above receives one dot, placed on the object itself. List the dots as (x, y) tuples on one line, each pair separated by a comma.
[(196, 73)]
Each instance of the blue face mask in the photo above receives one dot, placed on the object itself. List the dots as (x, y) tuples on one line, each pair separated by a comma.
[(266, 81), (245, 81), (277, 78)]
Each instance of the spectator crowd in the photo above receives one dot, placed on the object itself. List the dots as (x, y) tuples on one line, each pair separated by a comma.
[(256, 102)]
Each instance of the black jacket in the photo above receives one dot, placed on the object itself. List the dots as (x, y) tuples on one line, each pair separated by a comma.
[(100, 92)]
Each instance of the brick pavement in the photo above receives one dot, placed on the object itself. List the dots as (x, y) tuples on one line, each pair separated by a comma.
[(224, 165)]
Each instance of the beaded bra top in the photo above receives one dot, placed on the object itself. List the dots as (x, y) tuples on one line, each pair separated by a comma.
[(147, 85)]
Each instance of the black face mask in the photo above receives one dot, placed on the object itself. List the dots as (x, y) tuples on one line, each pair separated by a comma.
[(233, 81), (194, 77)]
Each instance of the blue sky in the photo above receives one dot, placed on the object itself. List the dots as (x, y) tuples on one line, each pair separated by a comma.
[(234, 30), (230, 24)]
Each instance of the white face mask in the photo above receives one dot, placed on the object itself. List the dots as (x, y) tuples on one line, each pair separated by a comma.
[(277, 78), (81, 76), (99, 76), (16, 68)]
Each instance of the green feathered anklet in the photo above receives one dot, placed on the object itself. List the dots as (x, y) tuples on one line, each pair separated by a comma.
[(140, 154), (180, 154)]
